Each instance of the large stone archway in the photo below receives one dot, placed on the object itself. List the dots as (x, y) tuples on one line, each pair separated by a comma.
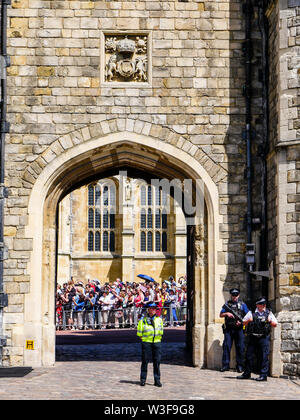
[(91, 158)]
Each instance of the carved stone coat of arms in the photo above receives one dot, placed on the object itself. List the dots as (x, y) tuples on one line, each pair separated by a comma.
[(126, 58)]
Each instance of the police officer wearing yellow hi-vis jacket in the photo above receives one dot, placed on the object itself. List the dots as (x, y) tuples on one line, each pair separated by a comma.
[(150, 330)]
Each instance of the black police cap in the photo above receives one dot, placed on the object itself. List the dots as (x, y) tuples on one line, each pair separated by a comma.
[(261, 301), (234, 290)]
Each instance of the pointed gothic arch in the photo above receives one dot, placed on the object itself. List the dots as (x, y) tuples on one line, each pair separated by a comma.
[(91, 158)]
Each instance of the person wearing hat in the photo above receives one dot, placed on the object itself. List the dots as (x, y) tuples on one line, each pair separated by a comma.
[(233, 329), (150, 330), (259, 325)]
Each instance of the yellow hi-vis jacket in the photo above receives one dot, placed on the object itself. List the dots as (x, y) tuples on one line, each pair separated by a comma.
[(150, 333)]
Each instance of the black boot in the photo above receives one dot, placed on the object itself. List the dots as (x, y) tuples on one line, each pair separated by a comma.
[(244, 376), (261, 378)]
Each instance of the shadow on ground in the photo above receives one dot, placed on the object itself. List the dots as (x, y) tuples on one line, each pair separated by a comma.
[(117, 345), (171, 335), (14, 372)]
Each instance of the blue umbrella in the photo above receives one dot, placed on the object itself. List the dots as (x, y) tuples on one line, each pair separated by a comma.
[(145, 277)]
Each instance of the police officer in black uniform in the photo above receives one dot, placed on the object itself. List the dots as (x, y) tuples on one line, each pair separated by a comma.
[(259, 325), (233, 330)]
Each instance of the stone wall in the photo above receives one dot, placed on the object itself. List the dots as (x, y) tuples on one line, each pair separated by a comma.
[(284, 178), (60, 96), (289, 273), (289, 74), (289, 277), (57, 95)]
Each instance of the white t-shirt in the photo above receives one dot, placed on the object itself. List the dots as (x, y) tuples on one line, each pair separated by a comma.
[(271, 316), (105, 303)]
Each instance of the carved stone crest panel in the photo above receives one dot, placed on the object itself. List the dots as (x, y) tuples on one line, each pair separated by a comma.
[(126, 58)]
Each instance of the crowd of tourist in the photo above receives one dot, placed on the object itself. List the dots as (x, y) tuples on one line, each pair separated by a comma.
[(118, 305)]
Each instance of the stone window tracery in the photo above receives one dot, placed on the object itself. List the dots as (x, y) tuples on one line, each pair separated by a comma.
[(153, 219), (101, 217)]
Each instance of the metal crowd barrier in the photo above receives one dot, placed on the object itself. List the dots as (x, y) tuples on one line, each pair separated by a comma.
[(115, 318)]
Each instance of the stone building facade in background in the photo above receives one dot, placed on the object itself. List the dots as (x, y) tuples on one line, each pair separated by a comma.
[(99, 239), (157, 87)]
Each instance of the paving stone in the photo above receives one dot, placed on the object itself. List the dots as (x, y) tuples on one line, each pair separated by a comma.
[(111, 372)]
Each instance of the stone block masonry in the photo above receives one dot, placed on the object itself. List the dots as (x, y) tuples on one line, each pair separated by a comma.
[(58, 98), (190, 97), (283, 176), (55, 84)]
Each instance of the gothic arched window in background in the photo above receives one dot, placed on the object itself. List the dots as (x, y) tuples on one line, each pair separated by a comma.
[(97, 241), (143, 241), (91, 195), (91, 241), (153, 219), (101, 217)]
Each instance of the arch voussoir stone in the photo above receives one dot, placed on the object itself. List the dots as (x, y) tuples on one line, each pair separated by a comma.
[(109, 126)]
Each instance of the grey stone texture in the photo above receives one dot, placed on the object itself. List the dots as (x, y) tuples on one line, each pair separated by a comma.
[(111, 372), (283, 174), (193, 101)]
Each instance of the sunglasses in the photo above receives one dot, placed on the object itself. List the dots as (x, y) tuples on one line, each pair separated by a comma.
[(234, 294)]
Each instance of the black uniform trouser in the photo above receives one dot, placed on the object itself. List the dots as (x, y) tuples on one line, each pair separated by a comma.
[(151, 350), (237, 336), (263, 345)]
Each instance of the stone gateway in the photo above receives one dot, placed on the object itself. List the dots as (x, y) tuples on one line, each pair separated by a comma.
[(187, 90)]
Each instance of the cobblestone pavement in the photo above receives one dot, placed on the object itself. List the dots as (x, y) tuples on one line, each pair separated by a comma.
[(111, 372)]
